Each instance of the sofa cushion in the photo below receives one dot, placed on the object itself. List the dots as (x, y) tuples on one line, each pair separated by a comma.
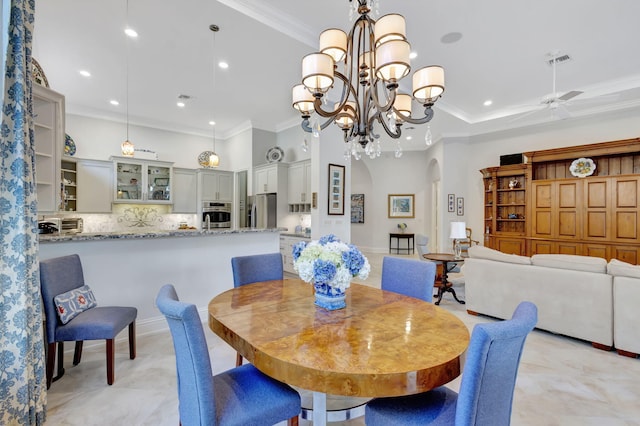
[(619, 268), (481, 252), (570, 261)]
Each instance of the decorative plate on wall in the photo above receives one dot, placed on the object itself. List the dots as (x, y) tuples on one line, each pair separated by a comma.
[(275, 154), (69, 146), (203, 159), (582, 167)]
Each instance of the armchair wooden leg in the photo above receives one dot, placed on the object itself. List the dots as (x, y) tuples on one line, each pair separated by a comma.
[(111, 353), (238, 360), (51, 360), (77, 354), (132, 340), (293, 421)]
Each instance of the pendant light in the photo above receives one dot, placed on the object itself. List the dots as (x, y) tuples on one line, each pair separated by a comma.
[(127, 147), (214, 160)]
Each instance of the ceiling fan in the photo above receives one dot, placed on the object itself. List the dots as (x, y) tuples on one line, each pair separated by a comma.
[(554, 102)]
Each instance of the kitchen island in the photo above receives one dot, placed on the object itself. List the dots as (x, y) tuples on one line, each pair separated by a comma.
[(128, 268)]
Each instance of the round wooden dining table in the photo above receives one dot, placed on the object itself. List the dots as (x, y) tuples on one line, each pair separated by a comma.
[(382, 344)]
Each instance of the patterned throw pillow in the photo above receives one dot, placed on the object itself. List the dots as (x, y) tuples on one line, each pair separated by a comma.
[(70, 304)]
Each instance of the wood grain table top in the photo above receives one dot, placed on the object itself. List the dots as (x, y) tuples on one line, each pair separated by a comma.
[(381, 344), (442, 257)]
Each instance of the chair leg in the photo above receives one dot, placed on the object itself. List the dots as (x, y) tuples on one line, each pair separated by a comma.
[(238, 360), (132, 340), (77, 354), (111, 353), (51, 359), (293, 421)]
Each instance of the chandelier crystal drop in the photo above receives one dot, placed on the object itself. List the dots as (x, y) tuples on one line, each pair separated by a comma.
[(368, 64), (428, 137)]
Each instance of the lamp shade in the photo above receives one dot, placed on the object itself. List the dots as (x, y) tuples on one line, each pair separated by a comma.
[(302, 99), (458, 230), (403, 105), (392, 60), (345, 118), (214, 160), (390, 27), (428, 84), (317, 72), (333, 42)]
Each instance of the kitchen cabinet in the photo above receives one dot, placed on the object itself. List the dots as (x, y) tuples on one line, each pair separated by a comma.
[(69, 185), (270, 178), (299, 180), (48, 116), (142, 181), (94, 186), (215, 185), (185, 190), (287, 242)]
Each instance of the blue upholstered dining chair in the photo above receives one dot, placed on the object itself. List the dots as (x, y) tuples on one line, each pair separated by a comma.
[(409, 277), (486, 390), (240, 396), (59, 276), (253, 269), (257, 267)]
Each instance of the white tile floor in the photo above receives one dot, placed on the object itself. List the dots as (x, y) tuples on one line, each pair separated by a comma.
[(561, 381)]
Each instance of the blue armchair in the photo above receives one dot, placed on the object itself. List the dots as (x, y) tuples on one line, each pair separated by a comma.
[(60, 275), (240, 396), (409, 277), (486, 390)]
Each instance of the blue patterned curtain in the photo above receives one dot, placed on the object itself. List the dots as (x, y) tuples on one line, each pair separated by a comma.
[(22, 378)]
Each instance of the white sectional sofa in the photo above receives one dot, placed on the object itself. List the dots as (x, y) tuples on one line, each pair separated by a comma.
[(626, 307), (574, 294)]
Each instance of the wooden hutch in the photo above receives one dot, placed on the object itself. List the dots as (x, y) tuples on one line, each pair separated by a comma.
[(541, 207)]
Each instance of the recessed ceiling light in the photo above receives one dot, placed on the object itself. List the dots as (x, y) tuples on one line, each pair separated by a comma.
[(114, 102), (223, 65), (413, 55), (85, 73), (487, 102), (130, 32), (409, 138), (213, 123), (451, 37), (180, 104)]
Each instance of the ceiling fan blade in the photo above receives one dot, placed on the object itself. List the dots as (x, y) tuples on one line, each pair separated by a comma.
[(560, 112), (526, 114), (570, 95)]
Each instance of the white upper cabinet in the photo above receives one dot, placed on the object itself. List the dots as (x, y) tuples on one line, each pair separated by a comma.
[(215, 185), (300, 182), (270, 178), (94, 186), (142, 181), (185, 190)]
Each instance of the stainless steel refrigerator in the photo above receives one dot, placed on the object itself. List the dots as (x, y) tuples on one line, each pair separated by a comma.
[(264, 211)]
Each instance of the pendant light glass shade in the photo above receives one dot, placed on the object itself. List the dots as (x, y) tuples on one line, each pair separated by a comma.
[(127, 148), (214, 160)]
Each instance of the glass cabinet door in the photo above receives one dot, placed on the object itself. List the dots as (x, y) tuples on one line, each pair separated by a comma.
[(158, 179), (129, 181)]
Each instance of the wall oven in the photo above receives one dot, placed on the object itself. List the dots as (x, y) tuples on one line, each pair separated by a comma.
[(216, 215)]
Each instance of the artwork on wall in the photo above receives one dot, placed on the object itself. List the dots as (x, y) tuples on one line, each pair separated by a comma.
[(451, 203), (357, 208), (460, 206), (401, 205), (336, 190)]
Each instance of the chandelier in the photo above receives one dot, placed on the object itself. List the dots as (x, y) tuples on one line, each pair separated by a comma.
[(369, 62)]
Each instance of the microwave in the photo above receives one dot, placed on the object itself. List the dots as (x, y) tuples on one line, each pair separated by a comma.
[(71, 225)]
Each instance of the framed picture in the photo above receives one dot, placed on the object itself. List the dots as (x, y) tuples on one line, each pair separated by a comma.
[(401, 205), (357, 208), (161, 181), (336, 189), (451, 203), (460, 206)]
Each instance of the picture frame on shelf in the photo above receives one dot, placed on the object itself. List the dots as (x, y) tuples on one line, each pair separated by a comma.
[(451, 203), (460, 206), (401, 206), (357, 208), (336, 190)]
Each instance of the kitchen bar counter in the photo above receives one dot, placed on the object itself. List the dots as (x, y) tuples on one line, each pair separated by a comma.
[(142, 234), (128, 268)]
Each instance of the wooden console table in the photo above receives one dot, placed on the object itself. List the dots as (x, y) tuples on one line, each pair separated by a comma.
[(399, 236)]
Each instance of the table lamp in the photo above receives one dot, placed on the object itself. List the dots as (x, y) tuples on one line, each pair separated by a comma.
[(458, 232)]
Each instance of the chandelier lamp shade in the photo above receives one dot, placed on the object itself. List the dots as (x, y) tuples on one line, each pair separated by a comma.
[(368, 63)]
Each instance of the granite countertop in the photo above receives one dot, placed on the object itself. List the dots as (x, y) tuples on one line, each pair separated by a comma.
[(298, 235), (142, 234)]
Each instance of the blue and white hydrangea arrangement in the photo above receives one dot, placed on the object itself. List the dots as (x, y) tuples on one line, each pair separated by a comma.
[(329, 261)]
